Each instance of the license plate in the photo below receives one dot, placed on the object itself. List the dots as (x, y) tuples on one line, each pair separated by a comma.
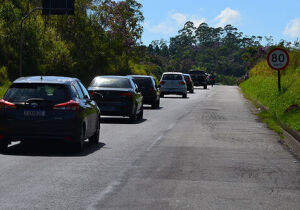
[(34, 113)]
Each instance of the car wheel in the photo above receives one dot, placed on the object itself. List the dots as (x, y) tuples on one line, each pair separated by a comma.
[(94, 139), (78, 144), (141, 114), (205, 86), (192, 91), (133, 117), (3, 146), (161, 95), (184, 95)]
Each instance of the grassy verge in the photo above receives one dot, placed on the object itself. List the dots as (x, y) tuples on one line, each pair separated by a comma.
[(3, 88), (284, 106)]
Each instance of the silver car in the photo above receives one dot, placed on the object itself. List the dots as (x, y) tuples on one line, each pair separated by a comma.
[(173, 83)]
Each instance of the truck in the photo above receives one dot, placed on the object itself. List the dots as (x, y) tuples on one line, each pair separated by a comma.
[(199, 78)]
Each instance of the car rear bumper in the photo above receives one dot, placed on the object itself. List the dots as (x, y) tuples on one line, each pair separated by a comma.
[(149, 99), (114, 109), (26, 131)]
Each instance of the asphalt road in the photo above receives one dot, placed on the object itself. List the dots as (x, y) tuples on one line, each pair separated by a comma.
[(205, 152)]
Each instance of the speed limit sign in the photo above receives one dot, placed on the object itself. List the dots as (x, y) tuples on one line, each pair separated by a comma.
[(278, 59)]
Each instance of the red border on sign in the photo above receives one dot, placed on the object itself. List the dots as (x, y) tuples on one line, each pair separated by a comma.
[(287, 55)]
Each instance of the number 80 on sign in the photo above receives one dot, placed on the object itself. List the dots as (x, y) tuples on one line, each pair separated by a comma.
[(278, 59)]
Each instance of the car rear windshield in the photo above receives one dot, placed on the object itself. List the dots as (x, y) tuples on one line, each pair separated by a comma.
[(196, 72), (55, 93), (143, 82), (111, 82), (172, 77)]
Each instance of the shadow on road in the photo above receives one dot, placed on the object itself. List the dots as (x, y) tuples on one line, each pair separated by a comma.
[(176, 97), (150, 108), (51, 149), (120, 120)]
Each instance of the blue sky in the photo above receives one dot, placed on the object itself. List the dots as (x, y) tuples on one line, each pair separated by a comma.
[(277, 18)]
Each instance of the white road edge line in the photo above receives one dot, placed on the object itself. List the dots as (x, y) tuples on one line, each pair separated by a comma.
[(153, 143), (109, 189)]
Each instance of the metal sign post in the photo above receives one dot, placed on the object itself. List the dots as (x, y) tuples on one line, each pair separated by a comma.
[(278, 59)]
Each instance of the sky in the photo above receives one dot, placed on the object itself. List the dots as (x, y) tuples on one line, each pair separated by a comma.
[(277, 18)]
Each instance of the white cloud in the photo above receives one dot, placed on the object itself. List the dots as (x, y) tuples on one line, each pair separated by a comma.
[(179, 18), (292, 29), (173, 23), (227, 16), (197, 21), (166, 28)]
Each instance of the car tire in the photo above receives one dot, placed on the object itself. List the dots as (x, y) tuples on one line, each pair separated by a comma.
[(192, 91), (3, 146), (78, 144), (141, 114), (184, 95), (94, 139), (133, 117), (205, 86), (162, 95)]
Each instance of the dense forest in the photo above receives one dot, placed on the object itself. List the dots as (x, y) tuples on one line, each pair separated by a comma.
[(104, 37)]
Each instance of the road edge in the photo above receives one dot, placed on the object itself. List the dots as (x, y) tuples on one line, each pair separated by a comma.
[(291, 137)]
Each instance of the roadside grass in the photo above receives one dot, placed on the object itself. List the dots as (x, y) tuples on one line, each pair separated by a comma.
[(3, 88), (262, 87)]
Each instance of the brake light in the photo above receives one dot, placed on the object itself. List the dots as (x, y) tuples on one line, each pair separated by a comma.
[(5, 104), (162, 82), (151, 89), (1, 137), (128, 94), (181, 83), (70, 105), (91, 93)]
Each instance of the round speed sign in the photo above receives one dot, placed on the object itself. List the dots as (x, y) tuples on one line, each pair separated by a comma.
[(278, 59)]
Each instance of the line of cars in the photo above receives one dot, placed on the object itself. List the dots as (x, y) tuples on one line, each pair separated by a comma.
[(61, 108)]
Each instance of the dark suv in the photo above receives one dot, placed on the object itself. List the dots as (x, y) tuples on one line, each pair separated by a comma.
[(48, 108), (148, 88), (199, 78)]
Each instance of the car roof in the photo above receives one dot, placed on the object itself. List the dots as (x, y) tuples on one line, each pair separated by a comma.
[(46, 79), (113, 76), (141, 76), (172, 73)]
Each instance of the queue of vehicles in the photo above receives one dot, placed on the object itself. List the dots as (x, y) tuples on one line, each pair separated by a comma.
[(62, 109)]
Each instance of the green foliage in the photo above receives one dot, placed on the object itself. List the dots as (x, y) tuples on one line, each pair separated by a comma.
[(100, 38), (223, 51), (262, 87)]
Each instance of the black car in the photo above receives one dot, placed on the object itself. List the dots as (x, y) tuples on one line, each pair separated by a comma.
[(199, 78), (48, 108), (121, 96), (189, 82), (148, 88)]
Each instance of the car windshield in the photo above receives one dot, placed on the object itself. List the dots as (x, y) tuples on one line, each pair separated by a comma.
[(143, 82), (111, 82), (51, 92), (172, 77)]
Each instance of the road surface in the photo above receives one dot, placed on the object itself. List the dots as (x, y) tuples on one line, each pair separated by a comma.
[(204, 152)]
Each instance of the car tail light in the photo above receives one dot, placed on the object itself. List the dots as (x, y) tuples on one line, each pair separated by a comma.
[(91, 93), (162, 82), (128, 94), (1, 137), (181, 83), (6, 105), (150, 89), (70, 105), (68, 138)]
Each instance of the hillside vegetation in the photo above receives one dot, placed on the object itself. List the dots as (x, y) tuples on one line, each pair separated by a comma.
[(284, 107)]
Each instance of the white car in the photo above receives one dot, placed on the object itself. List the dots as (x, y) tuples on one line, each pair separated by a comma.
[(173, 83)]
